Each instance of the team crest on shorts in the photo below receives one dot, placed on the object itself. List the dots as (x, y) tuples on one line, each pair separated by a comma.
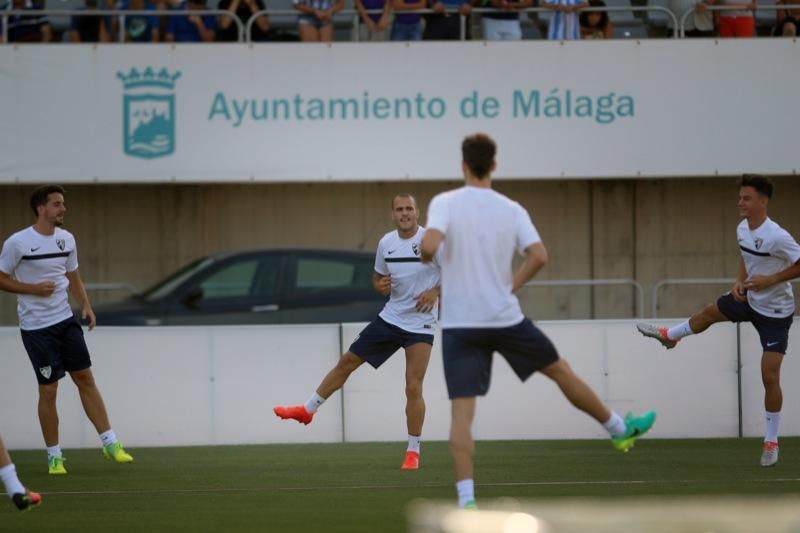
[(61, 243), (46, 371)]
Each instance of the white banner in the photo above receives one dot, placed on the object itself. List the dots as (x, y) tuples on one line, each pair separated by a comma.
[(389, 111)]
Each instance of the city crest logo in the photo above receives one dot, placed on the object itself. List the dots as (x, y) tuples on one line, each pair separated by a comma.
[(148, 116)]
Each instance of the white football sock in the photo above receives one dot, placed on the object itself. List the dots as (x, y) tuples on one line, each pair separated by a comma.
[(466, 491), (413, 443), (314, 402), (108, 437), (54, 451), (615, 425), (676, 333), (773, 421), (9, 476)]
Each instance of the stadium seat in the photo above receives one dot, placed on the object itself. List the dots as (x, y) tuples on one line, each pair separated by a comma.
[(283, 22), (659, 19), (530, 30), (343, 24), (766, 18), (61, 23), (630, 31), (621, 17)]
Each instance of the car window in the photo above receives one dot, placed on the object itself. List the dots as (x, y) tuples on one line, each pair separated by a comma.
[(165, 287), (319, 273), (230, 281)]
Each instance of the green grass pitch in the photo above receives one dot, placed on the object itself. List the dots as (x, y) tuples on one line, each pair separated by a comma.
[(350, 488)]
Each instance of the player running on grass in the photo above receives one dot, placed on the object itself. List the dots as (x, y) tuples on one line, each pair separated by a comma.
[(407, 321), (476, 232), (23, 498), (40, 264), (761, 294)]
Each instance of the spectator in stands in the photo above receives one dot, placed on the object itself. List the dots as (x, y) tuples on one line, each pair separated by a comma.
[(163, 20), (700, 23), (89, 28), (503, 25), (564, 23), (444, 25), (787, 20), (192, 28), (140, 28), (228, 31), (786, 28), (737, 22), (28, 28), (407, 26), (596, 24), (315, 23), (373, 26)]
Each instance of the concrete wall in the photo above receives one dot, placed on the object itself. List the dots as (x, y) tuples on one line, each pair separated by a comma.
[(645, 229), (185, 386)]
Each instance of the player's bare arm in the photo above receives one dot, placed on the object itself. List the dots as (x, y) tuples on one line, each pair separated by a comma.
[(430, 243), (382, 284), (427, 300), (739, 290), (535, 259), (78, 291), (757, 283), (43, 288)]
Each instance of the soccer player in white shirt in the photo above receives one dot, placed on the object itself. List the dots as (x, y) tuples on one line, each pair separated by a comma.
[(761, 295), (40, 265), (475, 232), (406, 321), (23, 498)]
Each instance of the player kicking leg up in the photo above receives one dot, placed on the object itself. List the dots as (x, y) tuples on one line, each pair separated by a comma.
[(406, 321), (475, 232), (377, 342), (23, 498), (761, 295)]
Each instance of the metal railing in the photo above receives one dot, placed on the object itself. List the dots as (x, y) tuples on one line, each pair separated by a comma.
[(596, 283), (245, 29), (119, 14), (688, 281), (685, 16), (453, 12)]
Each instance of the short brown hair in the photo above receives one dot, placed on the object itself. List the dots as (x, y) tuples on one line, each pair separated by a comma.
[(478, 152), (761, 184), (403, 195), (41, 194)]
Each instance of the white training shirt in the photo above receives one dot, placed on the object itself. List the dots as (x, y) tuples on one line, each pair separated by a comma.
[(30, 257), (482, 230), (767, 250), (400, 258)]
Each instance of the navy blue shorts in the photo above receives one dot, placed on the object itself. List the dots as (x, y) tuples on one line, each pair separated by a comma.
[(468, 355), (379, 340), (56, 350), (773, 332)]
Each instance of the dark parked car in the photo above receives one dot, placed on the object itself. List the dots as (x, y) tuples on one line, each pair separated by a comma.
[(256, 287)]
